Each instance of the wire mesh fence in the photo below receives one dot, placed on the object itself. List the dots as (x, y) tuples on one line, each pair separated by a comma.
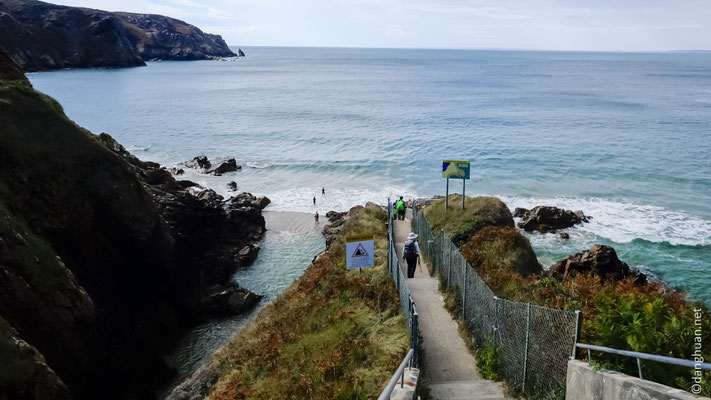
[(406, 303), (534, 343)]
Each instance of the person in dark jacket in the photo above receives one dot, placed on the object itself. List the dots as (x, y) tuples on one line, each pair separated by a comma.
[(410, 253)]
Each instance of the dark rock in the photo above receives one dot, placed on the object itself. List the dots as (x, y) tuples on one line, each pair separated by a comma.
[(199, 162), (564, 235), (519, 212), (104, 261), (547, 218), (232, 186), (209, 196), (240, 53), (335, 223), (601, 261), (225, 166), (246, 255), (177, 171), (248, 200), (184, 184), (160, 177), (229, 299), (263, 202), (42, 36)]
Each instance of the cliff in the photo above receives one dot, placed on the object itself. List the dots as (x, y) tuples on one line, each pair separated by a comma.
[(42, 36), (103, 257)]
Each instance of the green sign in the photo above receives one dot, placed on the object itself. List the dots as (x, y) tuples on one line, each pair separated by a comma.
[(455, 169)]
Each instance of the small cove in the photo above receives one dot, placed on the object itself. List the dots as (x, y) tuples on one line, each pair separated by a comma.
[(292, 240)]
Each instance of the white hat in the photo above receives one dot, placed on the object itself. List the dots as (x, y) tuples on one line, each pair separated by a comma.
[(411, 236)]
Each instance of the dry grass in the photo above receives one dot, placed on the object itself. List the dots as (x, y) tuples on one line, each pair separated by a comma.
[(333, 334)]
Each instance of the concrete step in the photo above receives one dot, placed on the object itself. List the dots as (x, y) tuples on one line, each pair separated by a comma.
[(466, 390)]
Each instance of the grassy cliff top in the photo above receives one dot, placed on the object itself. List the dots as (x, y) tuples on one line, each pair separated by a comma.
[(333, 334), (461, 224)]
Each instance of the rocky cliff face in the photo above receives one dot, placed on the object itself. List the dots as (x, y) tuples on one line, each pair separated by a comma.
[(103, 257), (41, 36)]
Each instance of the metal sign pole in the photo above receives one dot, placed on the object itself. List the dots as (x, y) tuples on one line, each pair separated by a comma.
[(446, 201), (464, 196)]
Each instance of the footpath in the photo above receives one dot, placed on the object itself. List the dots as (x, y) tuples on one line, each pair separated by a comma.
[(450, 366)]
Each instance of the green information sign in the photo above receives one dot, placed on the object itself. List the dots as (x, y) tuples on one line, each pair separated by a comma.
[(455, 169)]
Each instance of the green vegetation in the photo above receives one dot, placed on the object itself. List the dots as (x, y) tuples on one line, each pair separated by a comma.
[(461, 224), (649, 318), (333, 334)]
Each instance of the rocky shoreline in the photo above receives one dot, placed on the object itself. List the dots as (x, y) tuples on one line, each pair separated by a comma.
[(104, 258), (40, 36)]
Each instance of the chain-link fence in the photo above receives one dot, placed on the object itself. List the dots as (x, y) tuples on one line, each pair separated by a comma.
[(534, 343), (406, 303)]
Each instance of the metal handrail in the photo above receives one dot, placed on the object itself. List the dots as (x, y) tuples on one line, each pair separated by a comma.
[(400, 373), (645, 356)]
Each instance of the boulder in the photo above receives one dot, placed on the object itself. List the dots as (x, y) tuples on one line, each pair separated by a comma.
[(248, 200), (548, 218), (229, 299), (246, 255), (336, 220), (210, 196), (199, 162), (160, 177), (601, 261), (184, 184), (225, 166), (232, 186)]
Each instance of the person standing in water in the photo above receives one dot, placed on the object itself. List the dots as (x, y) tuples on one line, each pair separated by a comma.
[(323, 191), (314, 200), (316, 217), (410, 253)]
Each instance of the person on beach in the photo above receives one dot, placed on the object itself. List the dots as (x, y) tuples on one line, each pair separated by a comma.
[(316, 217), (400, 205), (410, 253)]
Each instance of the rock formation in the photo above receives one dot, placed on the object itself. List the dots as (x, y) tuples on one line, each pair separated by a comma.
[(548, 218), (42, 36), (103, 257), (601, 260)]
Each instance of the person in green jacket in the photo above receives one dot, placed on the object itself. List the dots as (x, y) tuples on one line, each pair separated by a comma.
[(400, 206)]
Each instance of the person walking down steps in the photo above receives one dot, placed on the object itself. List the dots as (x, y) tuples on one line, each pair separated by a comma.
[(400, 206), (410, 253)]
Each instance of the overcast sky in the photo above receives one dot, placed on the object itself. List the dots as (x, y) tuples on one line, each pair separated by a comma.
[(629, 25)]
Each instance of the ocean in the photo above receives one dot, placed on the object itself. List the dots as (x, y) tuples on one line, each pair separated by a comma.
[(625, 137)]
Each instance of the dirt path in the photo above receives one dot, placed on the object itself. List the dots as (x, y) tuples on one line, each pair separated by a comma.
[(449, 364)]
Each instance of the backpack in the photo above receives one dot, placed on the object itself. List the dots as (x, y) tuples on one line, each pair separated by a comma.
[(400, 205), (410, 250)]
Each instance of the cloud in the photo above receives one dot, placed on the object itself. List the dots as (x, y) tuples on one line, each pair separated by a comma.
[(522, 24)]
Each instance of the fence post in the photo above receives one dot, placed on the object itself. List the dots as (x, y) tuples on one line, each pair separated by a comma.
[(525, 351), (464, 291), (578, 329), (449, 265), (496, 318), (441, 245)]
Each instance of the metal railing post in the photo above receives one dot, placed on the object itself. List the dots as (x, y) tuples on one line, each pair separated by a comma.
[(449, 266), (578, 329), (639, 368), (525, 351)]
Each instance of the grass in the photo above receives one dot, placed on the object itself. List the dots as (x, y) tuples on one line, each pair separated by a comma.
[(648, 318), (460, 224), (333, 334)]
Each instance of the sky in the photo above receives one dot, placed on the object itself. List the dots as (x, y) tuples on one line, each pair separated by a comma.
[(592, 25)]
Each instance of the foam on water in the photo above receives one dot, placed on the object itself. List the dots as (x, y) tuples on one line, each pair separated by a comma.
[(625, 221)]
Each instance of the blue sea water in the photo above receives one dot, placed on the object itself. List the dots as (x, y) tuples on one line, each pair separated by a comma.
[(624, 137)]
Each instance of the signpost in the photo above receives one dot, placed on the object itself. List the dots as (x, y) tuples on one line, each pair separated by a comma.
[(360, 251), (455, 170)]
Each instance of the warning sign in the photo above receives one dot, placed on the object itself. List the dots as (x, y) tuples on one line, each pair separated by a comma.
[(360, 251)]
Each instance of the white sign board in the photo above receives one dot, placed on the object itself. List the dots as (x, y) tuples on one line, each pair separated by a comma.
[(360, 251)]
